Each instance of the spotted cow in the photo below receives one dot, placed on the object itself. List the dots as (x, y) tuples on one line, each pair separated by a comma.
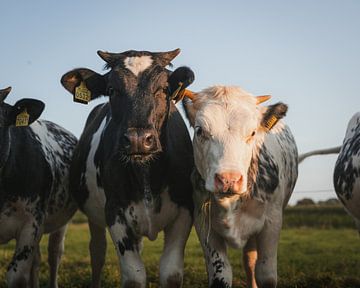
[(34, 195), (347, 170), (246, 168), (131, 169)]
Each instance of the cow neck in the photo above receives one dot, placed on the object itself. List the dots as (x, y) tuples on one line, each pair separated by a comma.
[(142, 174), (166, 121), (4, 145)]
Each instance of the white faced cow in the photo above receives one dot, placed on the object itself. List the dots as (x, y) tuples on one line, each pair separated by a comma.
[(34, 196), (131, 168), (246, 168)]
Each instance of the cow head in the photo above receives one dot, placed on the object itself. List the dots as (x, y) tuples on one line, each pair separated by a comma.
[(139, 88), (23, 113), (230, 127)]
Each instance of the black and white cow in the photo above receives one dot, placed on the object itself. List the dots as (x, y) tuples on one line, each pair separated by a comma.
[(131, 169), (346, 176), (347, 170), (246, 168), (34, 195)]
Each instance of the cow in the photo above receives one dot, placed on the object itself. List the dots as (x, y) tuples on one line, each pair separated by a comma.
[(35, 158), (347, 170), (131, 169), (246, 164), (346, 176)]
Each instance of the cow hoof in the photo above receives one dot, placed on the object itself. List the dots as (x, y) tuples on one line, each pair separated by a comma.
[(219, 283), (174, 281), (132, 284), (19, 282), (267, 283)]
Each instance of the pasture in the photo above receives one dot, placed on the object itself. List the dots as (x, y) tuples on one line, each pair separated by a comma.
[(319, 247)]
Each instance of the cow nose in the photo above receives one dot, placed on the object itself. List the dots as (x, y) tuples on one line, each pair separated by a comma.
[(148, 141), (226, 181), (140, 141)]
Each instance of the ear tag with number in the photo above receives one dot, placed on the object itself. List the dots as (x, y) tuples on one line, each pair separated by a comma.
[(22, 119), (271, 122), (82, 94)]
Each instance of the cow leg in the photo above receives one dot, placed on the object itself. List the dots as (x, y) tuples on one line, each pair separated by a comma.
[(214, 247), (267, 244), (249, 259), (172, 259), (97, 248), (35, 267), (127, 246), (55, 251), (20, 269)]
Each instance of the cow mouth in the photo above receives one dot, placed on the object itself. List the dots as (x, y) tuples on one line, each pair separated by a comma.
[(142, 157), (227, 193)]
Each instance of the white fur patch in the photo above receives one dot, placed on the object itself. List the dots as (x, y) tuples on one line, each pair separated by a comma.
[(95, 204), (138, 64)]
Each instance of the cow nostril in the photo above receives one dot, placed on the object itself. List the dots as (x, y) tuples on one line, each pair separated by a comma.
[(149, 141), (219, 179), (127, 141)]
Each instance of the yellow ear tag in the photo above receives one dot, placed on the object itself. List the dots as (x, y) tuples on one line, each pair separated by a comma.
[(271, 122), (82, 94), (22, 119)]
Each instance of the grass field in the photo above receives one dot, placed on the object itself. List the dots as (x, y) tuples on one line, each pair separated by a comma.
[(319, 247)]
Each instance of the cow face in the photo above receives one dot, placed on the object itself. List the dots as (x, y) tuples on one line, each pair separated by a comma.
[(229, 128), (139, 86), (23, 113)]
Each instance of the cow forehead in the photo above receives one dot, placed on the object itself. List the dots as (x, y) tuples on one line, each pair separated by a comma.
[(138, 64), (221, 118)]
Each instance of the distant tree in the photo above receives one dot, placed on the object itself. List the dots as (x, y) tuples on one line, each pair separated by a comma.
[(330, 202), (305, 202)]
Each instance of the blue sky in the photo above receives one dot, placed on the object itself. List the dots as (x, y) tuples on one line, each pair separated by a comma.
[(304, 53)]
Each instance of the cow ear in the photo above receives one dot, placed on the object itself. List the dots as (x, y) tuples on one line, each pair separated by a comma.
[(26, 111), (165, 58), (181, 78), (4, 93), (273, 114), (190, 110), (84, 84)]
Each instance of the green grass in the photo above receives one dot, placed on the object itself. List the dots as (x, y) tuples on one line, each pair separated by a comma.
[(307, 257), (323, 217)]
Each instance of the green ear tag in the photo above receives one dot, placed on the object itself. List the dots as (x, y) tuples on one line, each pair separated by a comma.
[(82, 94), (271, 122), (22, 119)]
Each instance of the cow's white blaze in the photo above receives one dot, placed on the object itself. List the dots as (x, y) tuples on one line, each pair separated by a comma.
[(228, 118), (138, 64), (96, 198)]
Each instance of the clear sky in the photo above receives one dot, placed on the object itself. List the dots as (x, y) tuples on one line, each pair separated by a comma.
[(304, 53)]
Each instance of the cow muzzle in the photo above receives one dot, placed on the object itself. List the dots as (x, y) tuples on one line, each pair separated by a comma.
[(140, 142), (228, 182)]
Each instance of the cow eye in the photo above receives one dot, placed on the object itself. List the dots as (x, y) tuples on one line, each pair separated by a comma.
[(198, 131), (253, 133)]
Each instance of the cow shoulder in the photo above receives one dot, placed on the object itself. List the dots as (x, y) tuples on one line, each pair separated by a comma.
[(19, 178), (78, 185), (347, 167), (277, 160), (179, 153)]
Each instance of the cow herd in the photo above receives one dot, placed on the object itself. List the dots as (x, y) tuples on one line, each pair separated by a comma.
[(135, 172)]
